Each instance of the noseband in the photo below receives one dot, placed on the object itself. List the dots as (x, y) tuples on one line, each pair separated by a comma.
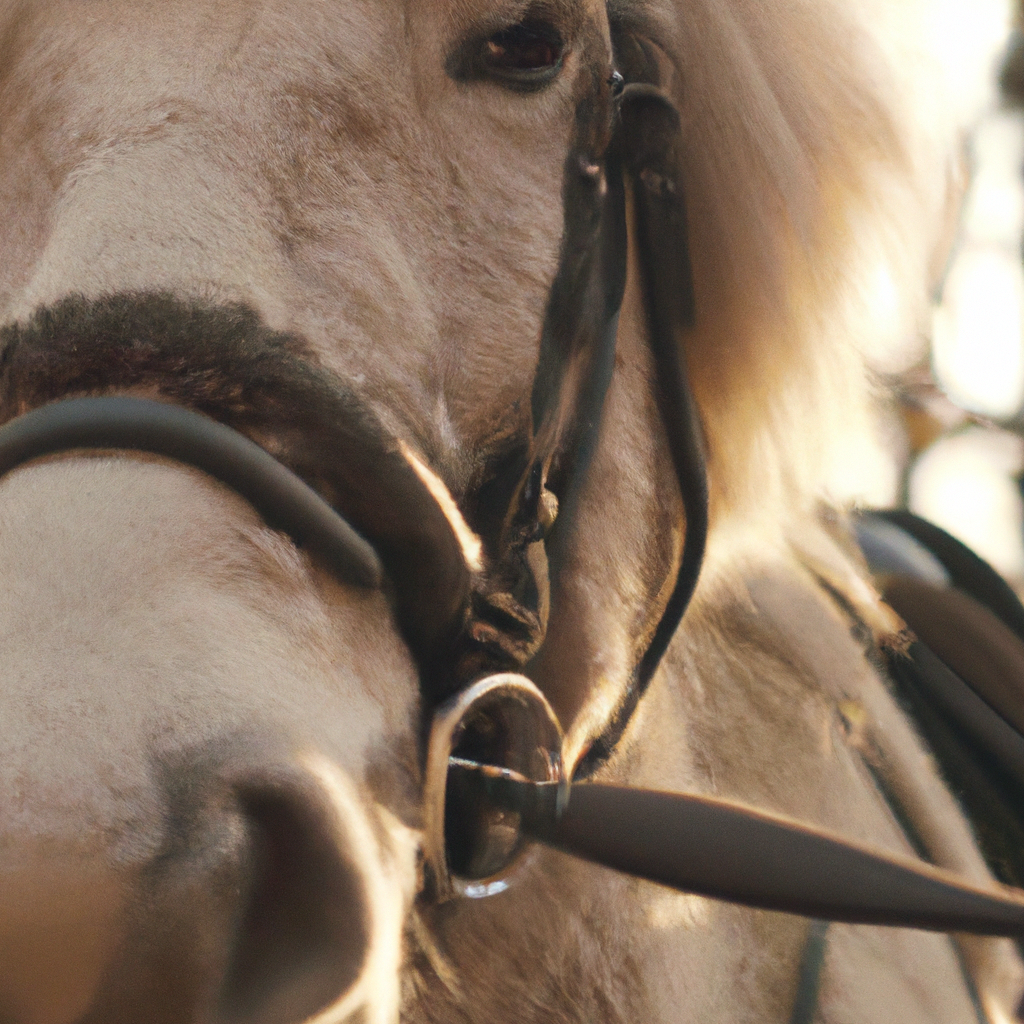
[(717, 848), (285, 502)]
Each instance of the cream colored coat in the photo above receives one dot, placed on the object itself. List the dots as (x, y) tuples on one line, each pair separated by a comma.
[(316, 161)]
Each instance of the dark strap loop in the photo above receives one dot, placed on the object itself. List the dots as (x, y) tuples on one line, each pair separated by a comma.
[(649, 140), (967, 572), (285, 501)]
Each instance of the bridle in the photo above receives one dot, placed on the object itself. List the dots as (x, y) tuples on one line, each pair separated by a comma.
[(494, 772)]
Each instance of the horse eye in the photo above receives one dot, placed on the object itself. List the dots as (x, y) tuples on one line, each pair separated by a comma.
[(527, 55)]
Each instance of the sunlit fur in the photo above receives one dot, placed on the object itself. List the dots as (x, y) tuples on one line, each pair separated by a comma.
[(821, 177)]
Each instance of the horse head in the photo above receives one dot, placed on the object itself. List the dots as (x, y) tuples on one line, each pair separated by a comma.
[(420, 254)]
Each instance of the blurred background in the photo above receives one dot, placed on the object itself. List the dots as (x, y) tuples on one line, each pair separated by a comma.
[(956, 424)]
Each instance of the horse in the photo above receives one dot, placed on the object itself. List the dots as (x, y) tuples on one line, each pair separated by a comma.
[(388, 248)]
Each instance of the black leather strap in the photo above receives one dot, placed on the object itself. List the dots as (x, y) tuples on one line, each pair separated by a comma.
[(967, 572), (812, 962), (286, 502), (650, 135)]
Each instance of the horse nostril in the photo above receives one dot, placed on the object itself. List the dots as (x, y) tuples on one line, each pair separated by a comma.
[(303, 927)]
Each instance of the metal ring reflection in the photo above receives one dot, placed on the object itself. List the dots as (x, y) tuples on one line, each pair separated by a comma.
[(472, 844)]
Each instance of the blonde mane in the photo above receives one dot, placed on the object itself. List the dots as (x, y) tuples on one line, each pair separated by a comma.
[(824, 167)]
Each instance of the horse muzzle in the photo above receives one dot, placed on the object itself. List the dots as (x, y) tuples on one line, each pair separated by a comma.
[(252, 904)]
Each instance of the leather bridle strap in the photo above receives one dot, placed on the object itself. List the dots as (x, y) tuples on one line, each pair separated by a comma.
[(284, 501), (713, 847), (647, 139), (726, 850)]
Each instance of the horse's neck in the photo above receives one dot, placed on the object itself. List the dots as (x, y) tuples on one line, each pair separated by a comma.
[(773, 694)]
